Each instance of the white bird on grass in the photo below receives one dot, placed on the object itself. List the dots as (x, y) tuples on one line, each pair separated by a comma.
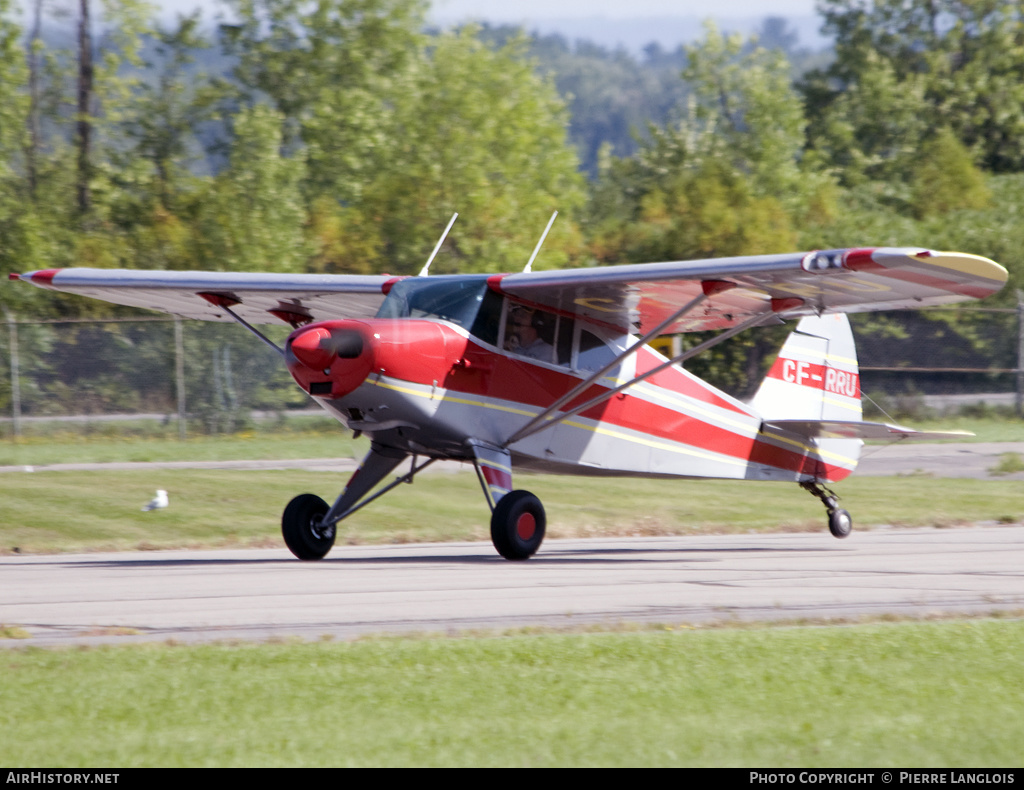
[(159, 501)]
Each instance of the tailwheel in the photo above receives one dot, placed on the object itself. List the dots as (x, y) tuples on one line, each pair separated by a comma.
[(840, 522), (517, 525), (302, 530)]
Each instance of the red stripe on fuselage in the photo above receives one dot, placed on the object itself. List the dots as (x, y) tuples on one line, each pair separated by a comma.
[(473, 370), (677, 381)]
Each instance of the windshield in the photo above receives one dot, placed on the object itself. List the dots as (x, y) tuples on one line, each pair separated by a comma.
[(465, 301)]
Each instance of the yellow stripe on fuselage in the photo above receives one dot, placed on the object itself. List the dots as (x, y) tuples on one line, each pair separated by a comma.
[(602, 428)]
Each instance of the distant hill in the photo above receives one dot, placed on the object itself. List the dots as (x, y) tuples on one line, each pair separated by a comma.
[(669, 32)]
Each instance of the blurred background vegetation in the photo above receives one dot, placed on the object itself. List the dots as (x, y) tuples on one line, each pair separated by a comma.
[(338, 136)]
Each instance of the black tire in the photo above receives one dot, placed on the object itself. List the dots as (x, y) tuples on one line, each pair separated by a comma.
[(840, 523), (300, 525), (517, 525)]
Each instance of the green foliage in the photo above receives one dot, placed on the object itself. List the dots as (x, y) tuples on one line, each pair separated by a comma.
[(482, 134), (170, 104), (252, 217), (339, 136), (611, 96), (905, 68), (334, 69), (745, 113)]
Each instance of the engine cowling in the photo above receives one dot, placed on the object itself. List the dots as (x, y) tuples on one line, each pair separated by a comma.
[(331, 359)]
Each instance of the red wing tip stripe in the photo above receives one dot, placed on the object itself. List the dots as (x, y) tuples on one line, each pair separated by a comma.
[(861, 258), (386, 286), (44, 277), (786, 303)]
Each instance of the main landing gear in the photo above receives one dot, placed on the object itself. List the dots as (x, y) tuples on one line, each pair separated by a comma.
[(303, 528), (309, 525), (517, 525), (840, 522)]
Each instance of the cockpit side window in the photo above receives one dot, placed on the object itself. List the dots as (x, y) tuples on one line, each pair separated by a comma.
[(594, 351), (538, 334)]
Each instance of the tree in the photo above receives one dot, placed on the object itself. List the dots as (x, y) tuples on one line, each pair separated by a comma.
[(14, 113), (911, 66), (170, 104), (727, 179), (945, 178), (334, 69), (745, 113), (481, 133), (252, 217)]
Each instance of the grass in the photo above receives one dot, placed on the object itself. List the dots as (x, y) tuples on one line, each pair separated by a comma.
[(323, 439), (64, 511), (764, 697), (1009, 463), (305, 437)]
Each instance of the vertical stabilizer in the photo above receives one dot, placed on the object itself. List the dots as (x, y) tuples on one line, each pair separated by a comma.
[(815, 378)]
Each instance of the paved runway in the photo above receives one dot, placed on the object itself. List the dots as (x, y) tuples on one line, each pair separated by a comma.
[(261, 594)]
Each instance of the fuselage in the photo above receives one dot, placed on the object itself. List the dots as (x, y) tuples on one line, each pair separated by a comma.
[(427, 380)]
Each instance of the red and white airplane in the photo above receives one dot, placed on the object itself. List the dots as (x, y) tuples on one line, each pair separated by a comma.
[(551, 371)]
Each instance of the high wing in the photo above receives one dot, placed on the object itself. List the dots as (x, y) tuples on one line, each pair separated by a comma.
[(633, 298), (638, 297), (257, 298)]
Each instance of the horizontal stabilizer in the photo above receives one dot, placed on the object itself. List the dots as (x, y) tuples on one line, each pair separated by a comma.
[(855, 429)]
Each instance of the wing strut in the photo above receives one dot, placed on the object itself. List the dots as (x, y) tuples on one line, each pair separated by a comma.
[(708, 288), (225, 304), (536, 425)]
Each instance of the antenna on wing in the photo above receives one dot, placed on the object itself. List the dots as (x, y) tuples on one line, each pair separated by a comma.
[(544, 235), (440, 241)]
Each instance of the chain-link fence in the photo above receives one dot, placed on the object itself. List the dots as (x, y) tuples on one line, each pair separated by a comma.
[(208, 376), (951, 361), (212, 377)]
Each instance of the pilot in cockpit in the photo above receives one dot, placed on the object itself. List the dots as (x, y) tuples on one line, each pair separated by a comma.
[(526, 335)]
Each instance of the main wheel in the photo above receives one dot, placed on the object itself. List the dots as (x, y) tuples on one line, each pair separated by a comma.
[(840, 523), (300, 525), (517, 525)]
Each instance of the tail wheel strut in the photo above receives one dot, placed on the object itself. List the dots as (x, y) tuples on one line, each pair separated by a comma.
[(840, 522)]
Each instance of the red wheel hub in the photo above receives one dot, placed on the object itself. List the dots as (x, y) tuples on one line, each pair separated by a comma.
[(526, 526)]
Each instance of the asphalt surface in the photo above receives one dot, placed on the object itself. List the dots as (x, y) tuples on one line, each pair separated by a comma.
[(453, 587), (450, 588)]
